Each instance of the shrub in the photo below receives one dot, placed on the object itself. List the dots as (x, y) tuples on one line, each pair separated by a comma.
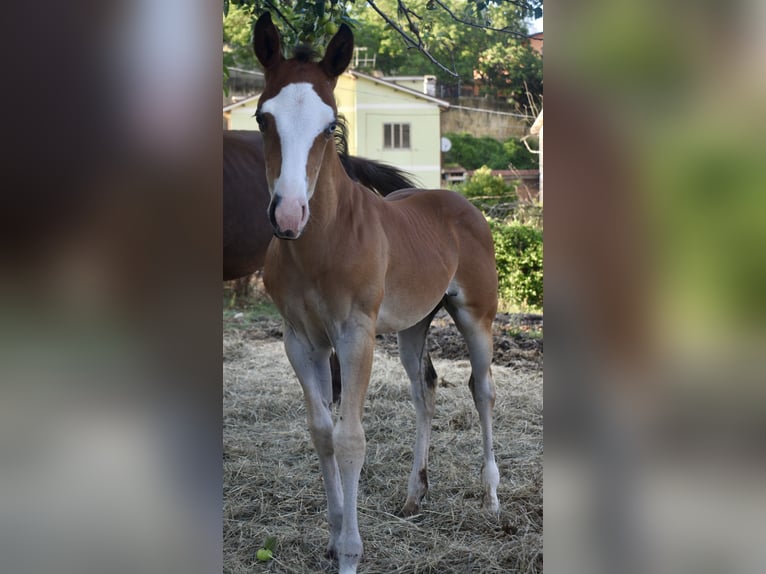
[(472, 152), (519, 156), (519, 257), (484, 185)]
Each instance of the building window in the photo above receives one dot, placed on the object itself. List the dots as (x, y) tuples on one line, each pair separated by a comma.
[(396, 136)]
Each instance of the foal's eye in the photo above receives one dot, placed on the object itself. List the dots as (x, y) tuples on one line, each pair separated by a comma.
[(261, 120), (331, 128)]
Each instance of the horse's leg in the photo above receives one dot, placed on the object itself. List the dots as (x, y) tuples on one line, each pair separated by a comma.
[(477, 333), (354, 346), (312, 366), (417, 363)]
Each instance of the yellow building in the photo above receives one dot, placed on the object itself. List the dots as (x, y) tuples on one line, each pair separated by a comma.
[(386, 122)]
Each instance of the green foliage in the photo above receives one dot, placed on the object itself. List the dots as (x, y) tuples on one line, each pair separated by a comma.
[(237, 36), (519, 257), (519, 156), (472, 153), (459, 45), (301, 21), (512, 70), (484, 185)]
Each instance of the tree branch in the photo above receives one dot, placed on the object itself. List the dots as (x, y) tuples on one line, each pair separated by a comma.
[(524, 141), (472, 24), (410, 41), (407, 39), (274, 7), (414, 28)]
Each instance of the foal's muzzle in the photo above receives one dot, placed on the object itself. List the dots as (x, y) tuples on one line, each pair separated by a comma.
[(287, 216)]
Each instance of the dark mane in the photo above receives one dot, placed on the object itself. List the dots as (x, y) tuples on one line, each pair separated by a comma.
[(341, 136), (380, 177), (305, 53)]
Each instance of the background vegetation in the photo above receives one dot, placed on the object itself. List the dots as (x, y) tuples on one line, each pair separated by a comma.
[(458, 41), (517, 231), (471, 153), (519, 256)]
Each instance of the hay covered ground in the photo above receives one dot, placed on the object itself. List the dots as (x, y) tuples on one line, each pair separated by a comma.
[(273, 486)]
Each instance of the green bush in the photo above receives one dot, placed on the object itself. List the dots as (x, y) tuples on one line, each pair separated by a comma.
[(519, 257), (484, 185), (472, 152), (519, 155)]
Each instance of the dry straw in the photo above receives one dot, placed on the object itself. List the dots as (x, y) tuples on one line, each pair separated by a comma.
[(273, 486)]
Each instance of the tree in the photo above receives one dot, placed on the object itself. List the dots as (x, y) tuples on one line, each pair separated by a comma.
[(302, 21), (446, 40), (513, 70), (438, 29), (237, 32)]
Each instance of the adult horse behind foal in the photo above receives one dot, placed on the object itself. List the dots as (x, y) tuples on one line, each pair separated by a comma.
[(246, 229), (351, 263)]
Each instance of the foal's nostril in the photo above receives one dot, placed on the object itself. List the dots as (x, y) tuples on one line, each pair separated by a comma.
[(272, 210)]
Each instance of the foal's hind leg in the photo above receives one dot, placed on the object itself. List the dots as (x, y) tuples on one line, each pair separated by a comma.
[(477, 333), (417, 363)]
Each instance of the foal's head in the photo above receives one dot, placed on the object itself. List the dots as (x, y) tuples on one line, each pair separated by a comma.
[(297, 115)]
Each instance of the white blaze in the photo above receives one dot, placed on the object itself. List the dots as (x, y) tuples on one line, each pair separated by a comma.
[(300, 116)]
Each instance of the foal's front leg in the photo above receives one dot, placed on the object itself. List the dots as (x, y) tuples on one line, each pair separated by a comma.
[(312, 367), (354, 346)]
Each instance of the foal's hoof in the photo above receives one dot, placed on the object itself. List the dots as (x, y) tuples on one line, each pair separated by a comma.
[(331, 552), (409, 509), (490, 505)]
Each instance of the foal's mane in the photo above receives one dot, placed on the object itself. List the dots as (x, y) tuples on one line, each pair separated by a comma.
[(380, 177), (341, 136), (305, 53)]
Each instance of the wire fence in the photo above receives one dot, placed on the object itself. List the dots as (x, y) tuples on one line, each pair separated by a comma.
[(513, 211)]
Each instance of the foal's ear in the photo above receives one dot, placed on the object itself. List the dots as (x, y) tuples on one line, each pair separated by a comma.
[(266, 41), (339, 51)]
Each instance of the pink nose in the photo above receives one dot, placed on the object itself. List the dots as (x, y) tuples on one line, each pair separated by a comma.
[(289, 216)]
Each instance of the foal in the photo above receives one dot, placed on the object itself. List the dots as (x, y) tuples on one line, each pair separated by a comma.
[(350, 264)]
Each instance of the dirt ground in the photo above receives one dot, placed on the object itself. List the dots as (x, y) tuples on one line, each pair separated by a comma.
[(273, 487)]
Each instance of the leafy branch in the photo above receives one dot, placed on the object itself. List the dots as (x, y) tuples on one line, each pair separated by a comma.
[(409, 40), (313, 20)]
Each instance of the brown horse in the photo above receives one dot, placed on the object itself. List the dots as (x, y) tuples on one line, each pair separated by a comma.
[(246, 229), (351, 263)]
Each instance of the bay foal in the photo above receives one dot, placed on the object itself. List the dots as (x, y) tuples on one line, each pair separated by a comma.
[(348, 264)]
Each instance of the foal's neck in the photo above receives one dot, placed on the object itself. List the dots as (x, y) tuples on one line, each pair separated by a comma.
[(334, 192)]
